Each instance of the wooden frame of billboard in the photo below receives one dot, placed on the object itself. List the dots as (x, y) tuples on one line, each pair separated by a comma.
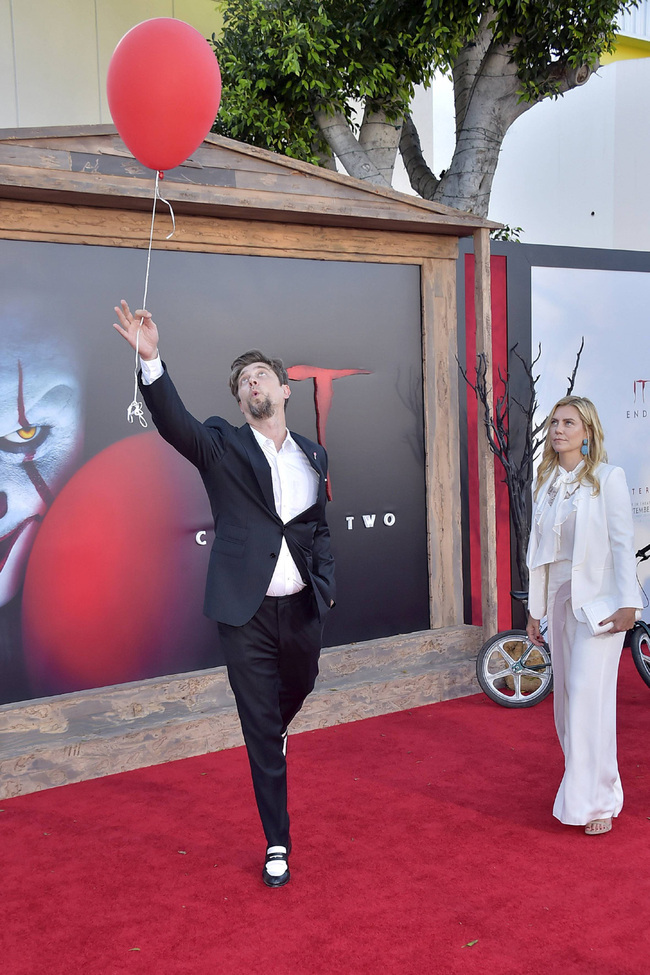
[(80, 185)]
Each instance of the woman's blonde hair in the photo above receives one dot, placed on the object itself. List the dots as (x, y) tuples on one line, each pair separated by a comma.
[(595, 444)]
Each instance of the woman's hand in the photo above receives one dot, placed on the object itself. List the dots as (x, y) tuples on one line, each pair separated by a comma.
[(623, 619), (129, 325), (533, 631)]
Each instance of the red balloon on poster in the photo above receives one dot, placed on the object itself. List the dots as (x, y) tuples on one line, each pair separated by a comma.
[(164, 89), (115, 580)]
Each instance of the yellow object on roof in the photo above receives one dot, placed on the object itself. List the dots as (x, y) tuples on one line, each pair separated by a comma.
[(627, 49)]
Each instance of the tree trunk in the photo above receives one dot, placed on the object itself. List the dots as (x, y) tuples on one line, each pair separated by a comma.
[(467, 68), (491, 104), (421, 178), (487, 100), (346, 147), (325, 160), (380, 140)]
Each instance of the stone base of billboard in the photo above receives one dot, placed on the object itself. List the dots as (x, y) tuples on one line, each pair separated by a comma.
[(72, 737)]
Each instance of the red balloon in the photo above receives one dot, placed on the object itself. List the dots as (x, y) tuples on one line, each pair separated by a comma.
[(164, 89)]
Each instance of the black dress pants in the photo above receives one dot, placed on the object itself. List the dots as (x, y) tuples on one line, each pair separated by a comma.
[(272, 666)]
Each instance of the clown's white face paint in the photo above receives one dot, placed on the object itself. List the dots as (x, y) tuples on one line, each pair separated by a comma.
[(40, 444)]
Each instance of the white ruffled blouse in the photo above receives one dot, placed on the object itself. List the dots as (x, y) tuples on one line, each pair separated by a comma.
[(554, 519)]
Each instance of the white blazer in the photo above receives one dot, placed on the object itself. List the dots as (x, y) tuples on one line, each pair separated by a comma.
[(603, 562)]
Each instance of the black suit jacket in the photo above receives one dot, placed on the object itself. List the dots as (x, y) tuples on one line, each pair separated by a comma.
[(248, 530)]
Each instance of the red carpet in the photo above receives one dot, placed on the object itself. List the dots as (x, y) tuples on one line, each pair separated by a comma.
[(423, 843)]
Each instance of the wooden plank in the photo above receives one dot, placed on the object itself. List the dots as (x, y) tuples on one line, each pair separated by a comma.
[(487, 492), (342, 178), (225, 249), (34, 158), (288, 182), (85, 157), (116, 164), (12, 154), (212, 157), (41, 133), (37, 183), (108, 143), (74, 737), (130, 228), (226, 157), (442, 438)]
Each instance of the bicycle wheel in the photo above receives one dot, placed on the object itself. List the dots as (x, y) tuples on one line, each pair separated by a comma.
[(514, 672), (640, 647)]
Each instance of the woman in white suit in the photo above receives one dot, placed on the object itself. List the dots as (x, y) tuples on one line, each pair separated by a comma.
[(581, 562)]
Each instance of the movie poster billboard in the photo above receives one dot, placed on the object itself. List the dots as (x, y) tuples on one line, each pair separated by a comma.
[(609, 309), (105, 532)]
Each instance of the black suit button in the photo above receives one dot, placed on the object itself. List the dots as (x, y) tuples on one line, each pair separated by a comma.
[(272, 555)]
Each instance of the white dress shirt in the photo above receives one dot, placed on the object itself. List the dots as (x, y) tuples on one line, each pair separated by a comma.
[(295, 488), (152, 369)]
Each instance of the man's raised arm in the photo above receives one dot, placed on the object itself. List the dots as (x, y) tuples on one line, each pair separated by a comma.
[(174, 423)]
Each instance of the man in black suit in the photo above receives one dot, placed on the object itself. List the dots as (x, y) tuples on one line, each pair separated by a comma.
[(271, 573)]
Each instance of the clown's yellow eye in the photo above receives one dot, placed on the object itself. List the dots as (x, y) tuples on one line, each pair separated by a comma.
[(23, 435), (24, 439)]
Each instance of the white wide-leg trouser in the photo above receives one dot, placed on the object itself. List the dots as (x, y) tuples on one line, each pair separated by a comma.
[(585, 670)]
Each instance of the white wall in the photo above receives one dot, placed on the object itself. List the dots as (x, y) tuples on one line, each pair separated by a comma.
[(555, 172), (54, 54), (574, 171)]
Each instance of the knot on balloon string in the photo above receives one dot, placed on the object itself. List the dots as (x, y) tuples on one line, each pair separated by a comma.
[(135, 408)]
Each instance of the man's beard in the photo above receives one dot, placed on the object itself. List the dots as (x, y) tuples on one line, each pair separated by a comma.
[(262, 409)]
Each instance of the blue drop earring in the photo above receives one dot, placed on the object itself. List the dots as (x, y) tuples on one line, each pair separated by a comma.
[(584, 450)]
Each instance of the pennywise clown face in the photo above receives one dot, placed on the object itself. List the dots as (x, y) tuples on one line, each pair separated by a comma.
[(40, 442)]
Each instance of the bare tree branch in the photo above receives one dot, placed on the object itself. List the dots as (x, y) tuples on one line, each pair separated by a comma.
[(518, 463), (572, 377)]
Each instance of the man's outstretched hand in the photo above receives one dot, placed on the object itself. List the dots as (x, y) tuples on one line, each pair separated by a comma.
[(128, 328)]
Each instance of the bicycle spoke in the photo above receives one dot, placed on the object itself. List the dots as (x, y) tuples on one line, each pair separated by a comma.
[(493, 678), (542, 673), (518, 696), (498, 658), (508, 660)]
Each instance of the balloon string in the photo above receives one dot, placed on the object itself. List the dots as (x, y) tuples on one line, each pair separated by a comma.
[(135, 407)]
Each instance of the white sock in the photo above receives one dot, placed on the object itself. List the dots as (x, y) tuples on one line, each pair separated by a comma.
[(276, 867)]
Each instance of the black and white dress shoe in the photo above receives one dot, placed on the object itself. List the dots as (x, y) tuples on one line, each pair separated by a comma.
[(276, 867)]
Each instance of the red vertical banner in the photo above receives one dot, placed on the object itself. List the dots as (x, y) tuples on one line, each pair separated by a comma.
[(475, 429)]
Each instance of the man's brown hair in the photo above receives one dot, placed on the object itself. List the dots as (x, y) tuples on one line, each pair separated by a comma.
[(247, 359)]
